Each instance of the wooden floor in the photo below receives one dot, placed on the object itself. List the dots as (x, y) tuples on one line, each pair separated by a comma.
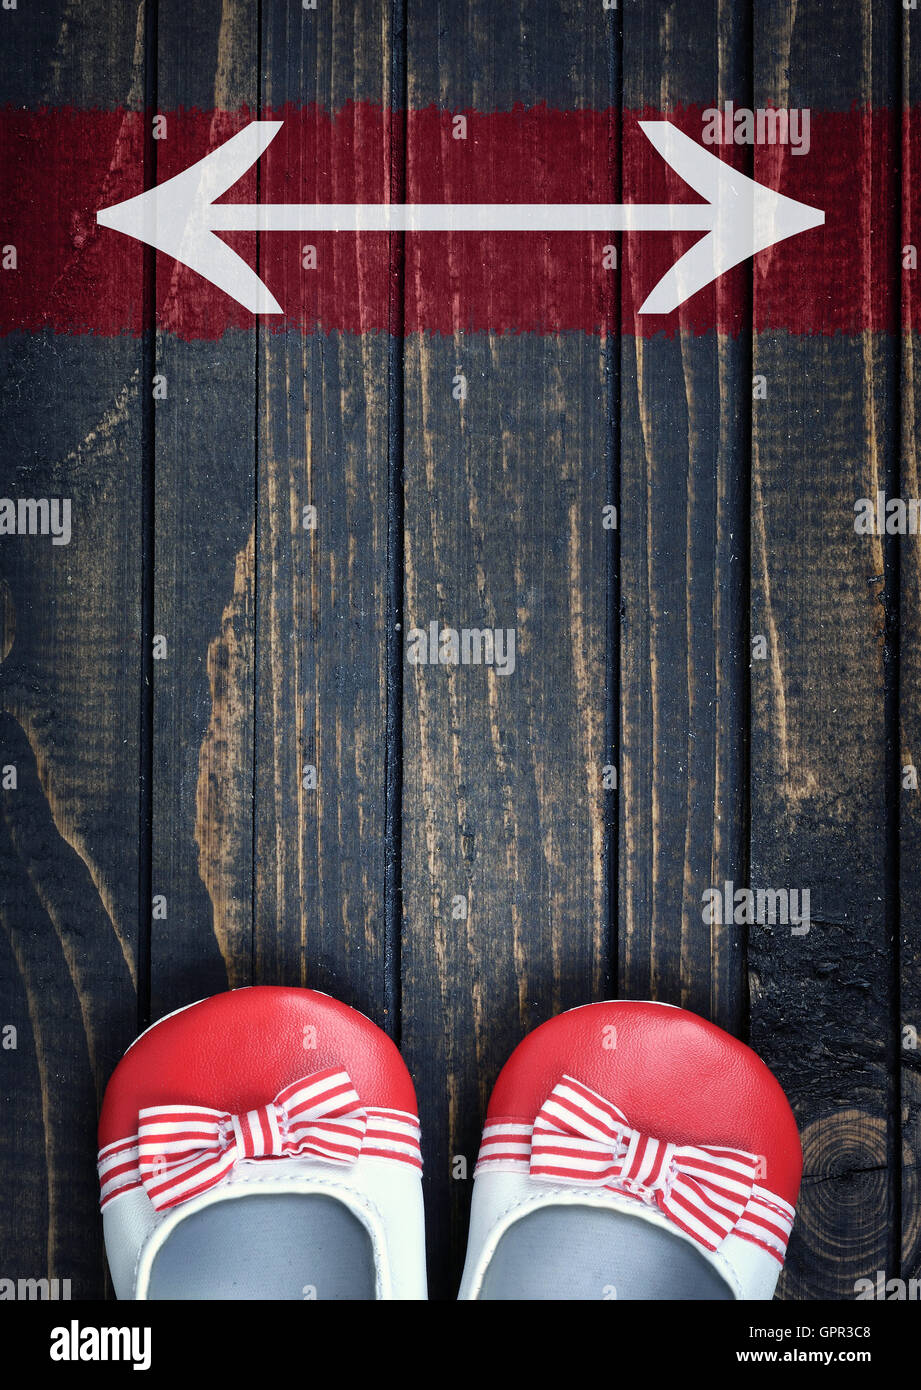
[(475, 852)]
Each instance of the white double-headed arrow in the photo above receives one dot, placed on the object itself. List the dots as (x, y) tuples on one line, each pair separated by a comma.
[(180, 217)]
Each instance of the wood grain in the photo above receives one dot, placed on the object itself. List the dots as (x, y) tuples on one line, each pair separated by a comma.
[(69, 693), (203, 555), (908, 1023), (825, 436), (458, 871), (321, 660), (504, 887), (683, 499)]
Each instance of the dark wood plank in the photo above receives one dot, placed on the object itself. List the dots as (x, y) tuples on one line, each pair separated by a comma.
[(504, 888), (204, 600), (825, 436), (322, 618), (909, 1020), (69, 693), (278, 637), (683, 499)]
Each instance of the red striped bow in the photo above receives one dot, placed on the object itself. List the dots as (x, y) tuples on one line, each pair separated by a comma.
[(579, 1137), (183, 1150)]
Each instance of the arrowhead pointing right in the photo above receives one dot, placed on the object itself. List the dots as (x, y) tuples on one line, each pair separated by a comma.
[(747, 217), (174, 217)]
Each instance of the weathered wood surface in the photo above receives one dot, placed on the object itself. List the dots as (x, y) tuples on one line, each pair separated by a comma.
[(908, 649), (504, 893), (684, 414), (203, 498), (72, 425), (459, 870), (826, 434), (326, 440)]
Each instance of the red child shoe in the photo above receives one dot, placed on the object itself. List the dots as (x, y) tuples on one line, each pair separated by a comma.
[(262, 1144), (632, 1151)]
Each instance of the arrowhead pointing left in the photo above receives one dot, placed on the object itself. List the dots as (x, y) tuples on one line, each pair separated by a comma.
[(175, 217), (747, 217)]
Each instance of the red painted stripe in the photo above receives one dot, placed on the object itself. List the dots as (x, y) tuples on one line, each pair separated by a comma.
[(57, 167)]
